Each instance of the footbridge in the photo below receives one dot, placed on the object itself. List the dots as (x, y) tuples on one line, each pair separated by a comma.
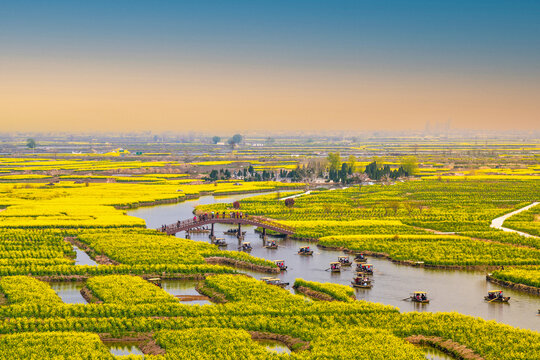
[(199, 221)]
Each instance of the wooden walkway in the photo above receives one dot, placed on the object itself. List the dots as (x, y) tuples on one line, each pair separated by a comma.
[(266, 224)]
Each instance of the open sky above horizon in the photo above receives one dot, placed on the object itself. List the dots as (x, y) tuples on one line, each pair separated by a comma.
[(269, 65)]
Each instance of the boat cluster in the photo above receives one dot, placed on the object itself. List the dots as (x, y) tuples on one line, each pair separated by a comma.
[(363, 270)]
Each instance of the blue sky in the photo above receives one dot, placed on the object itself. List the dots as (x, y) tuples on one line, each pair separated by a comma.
[(465, 39)]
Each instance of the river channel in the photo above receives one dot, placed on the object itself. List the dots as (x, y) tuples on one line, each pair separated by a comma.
[(449, 290)]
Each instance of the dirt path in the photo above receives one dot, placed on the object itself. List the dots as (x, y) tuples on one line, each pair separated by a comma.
[(498, 222)]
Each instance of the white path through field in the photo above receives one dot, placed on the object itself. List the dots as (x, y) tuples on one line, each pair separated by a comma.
[(498, 222)]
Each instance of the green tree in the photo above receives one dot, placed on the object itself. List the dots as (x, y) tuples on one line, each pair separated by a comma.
[(216, 139), (343, 173), (235, 140), (214, 175), (409, 164), (352, 164), (31, 144), (334, 161)]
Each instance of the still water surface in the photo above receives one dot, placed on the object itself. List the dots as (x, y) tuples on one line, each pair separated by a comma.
[(69, 291), (124, 348), (449, 290)]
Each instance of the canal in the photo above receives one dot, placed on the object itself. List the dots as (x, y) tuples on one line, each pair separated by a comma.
[(449, 290)]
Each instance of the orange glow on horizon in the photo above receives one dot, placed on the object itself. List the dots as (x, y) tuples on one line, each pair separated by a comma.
[(50, 97)]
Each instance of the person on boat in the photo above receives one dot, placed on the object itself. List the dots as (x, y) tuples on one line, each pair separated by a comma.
[(423, 296)]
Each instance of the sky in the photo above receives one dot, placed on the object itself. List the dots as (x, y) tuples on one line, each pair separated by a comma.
[(276, 65)]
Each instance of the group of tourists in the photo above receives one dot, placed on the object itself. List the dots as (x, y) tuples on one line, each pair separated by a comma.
[(217, 215), (495, 295), (365, 281)]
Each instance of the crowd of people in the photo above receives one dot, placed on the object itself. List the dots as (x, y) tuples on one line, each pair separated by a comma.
[(223, 215), (212, 215)]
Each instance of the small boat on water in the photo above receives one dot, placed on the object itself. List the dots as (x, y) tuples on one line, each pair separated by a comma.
[(271, 245), (305, 250), (361, 282), (246, 246), (496, 296), (364, 269), (419, 297), (344, 261), (220, 242), (274, 281), (335, 266), (281, 265), (360, 258), (155, 281)]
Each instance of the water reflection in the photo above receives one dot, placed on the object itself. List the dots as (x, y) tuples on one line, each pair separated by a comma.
[(69, 291), (124, 348), (436, 354), (274, 345), (183, 287), (83, 258), (449, 290)]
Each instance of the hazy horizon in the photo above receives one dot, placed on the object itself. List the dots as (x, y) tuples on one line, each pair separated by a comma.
[(269, 66)]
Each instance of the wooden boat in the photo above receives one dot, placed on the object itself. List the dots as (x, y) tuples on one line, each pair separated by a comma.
[(272, 245), (304, 250), (419, 297), (360, 258), (246, 246), (155, 281), (496, 296), (344, 261), (220, 242), (364, 269), (335, 266), (274, 281), (362, 283), (281, 265)]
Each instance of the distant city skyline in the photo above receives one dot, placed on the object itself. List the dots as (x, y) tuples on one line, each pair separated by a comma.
[(269, 66)]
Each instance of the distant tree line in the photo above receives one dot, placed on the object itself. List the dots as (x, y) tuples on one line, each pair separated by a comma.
[(247, 174), (376, 173)]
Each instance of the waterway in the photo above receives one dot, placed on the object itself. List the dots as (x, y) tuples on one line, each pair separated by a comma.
[(448, 290), (82, 257), (124, 348), (69, 291)]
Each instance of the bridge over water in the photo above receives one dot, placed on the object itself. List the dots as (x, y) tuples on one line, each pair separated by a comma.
[(199, 221)]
